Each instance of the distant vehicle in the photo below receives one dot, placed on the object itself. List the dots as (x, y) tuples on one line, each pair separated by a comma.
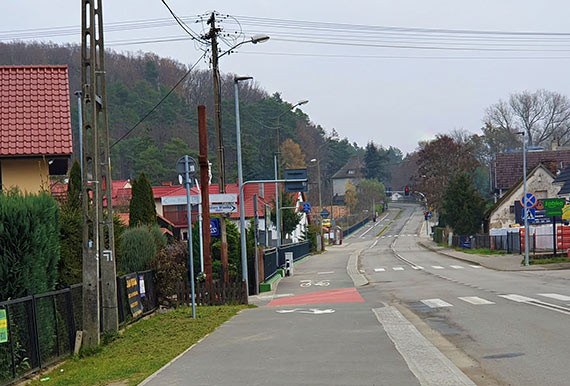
[(326, 222)]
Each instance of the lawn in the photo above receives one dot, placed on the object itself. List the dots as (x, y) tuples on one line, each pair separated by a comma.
[(548, 260), (141, 349)]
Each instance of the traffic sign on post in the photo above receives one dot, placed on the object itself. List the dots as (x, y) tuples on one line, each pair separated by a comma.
[(529, 201), (295, 174), (324, 213), (553, 206)]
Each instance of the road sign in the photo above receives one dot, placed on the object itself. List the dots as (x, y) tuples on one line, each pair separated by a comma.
[(325, 213), (553, 206), (295, 174), (3, 327), (530, 200), (223, 207), (181, 168), (530, 214), (214, 227)]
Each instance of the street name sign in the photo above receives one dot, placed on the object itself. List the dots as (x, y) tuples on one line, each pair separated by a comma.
[(223, 207)]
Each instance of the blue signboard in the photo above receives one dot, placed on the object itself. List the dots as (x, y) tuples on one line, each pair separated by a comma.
[(215, 227), (465, 242)]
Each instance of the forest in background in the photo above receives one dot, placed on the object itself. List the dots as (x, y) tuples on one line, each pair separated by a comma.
[(136, 82)]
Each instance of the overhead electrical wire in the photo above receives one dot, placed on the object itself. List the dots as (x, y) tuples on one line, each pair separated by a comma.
[(159, 102)]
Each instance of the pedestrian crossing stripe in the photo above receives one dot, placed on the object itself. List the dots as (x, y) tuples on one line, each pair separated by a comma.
[(564, 298), (398, 268), (475, 266), (475, 300), (379, 269), (437, 267), (456, 267), (435, 303)]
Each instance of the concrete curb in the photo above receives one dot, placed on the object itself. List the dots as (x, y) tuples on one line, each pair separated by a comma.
[(358, 279), (532, 268)]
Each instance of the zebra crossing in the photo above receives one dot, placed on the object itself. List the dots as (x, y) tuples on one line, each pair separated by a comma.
[(479, 301), (417, 267)]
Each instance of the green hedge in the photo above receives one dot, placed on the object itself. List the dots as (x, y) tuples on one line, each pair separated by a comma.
[(438, 234), (29, 244)]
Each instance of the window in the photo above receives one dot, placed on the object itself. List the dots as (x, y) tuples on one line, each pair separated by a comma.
[(261, 190), (512, 209), (184, 236), (351, 171), (541, 194)]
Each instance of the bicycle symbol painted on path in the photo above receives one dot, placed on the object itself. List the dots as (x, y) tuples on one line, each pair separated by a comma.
[(320, 283)]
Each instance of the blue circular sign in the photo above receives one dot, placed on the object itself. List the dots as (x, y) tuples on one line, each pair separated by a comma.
[(529, 201)]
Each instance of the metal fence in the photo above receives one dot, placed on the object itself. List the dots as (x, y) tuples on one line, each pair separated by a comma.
[(509, 243), (41, 328), (274, 258), (355, 227)]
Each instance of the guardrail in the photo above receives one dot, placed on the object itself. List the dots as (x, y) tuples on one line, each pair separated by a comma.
[(274, 258)]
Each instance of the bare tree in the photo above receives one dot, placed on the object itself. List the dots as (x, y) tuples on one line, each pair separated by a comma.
[(543, 115)]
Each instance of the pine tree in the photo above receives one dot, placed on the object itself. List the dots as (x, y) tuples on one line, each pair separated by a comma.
[(463, 208), (142, 210)]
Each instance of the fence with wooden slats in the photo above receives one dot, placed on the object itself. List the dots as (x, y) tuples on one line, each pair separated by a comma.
[(220, 293)]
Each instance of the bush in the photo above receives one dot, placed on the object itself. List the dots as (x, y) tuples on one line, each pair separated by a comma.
[(311, 234), (29, 244), (138, 248), (438, 234), (170, 266)]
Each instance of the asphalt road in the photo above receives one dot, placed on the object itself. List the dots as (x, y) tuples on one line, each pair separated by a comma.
[(415, 317), (513, 325)]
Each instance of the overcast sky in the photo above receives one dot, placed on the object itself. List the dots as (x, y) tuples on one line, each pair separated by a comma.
[(365, 90)]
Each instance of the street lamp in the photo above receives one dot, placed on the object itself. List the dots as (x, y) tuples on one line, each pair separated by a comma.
[(240, 183), (276, 163), (254, 39), (526, 257), (318, 161)]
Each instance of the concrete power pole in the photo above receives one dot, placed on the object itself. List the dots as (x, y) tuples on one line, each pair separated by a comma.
[(212, 35), (98, 237)]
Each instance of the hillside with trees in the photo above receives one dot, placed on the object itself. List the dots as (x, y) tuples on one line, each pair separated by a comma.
[(137, 82)]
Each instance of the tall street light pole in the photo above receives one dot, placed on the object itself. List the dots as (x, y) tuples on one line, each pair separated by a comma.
[(276, 161), (526, 233), (240, 183), (212, 36)]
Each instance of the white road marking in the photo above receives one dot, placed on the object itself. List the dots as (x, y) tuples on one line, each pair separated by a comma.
[(388, 235), (475, 266), (398, 268), (427, 363), (316, 311), (373, 245), (456, 266), (437, 267), (362, 271), (325, 273), (564, 298), (417, 267), (475, 300), (517, 298), (435, 303), (379, 269)]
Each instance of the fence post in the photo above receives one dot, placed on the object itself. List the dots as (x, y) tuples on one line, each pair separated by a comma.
[(70, 318), (34, 329), (56, 326), (11, 343)]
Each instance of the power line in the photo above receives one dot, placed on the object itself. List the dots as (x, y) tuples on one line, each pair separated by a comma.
[(159, 103)]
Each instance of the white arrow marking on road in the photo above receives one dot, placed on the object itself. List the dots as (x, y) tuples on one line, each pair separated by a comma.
[(435, 303), (564, 298), (287, 311), (475, 300), (316, 311)]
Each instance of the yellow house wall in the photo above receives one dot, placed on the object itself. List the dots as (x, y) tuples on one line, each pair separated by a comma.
[(28, 175)]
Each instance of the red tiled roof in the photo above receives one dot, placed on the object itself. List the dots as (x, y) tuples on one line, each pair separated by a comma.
[(508, 166), (34, 111)]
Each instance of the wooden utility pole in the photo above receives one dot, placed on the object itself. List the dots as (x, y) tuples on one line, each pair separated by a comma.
[(212, 35), (205, 192), (98, 237)]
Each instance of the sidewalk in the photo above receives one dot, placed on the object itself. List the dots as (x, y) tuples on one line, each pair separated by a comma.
[(495, 262)]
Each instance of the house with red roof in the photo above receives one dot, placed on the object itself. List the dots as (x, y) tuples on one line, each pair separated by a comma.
[(35, 126)]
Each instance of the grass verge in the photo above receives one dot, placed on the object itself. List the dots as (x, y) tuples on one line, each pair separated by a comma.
[(141, 349), (549, 260), (477, 251)]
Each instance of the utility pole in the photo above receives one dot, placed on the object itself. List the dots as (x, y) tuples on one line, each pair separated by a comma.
[(212, 35), (98, 237), (205, 192)]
